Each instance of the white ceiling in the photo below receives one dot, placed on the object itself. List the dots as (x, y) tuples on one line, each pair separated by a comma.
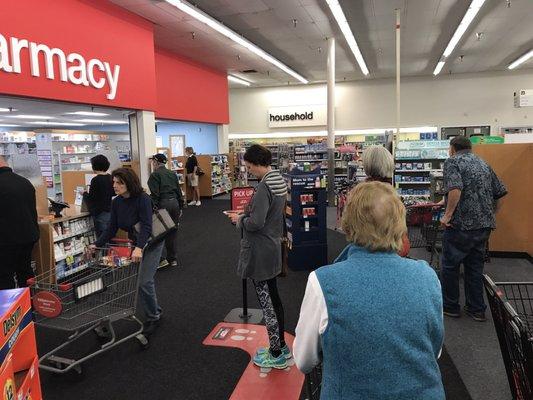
[(427, 26), (54, 109)]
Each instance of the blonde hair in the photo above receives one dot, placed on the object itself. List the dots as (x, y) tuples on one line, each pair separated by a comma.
[(374, 217), (378, 162)]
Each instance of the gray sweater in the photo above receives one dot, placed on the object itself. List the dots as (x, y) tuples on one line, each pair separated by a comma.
[(261, 229)]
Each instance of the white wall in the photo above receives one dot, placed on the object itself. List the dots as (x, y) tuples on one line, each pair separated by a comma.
[(453, 100)]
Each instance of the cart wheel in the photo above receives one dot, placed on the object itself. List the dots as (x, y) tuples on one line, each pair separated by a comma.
[(143, 341)]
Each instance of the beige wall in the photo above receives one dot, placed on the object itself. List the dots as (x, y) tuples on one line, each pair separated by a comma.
[(463, 99)]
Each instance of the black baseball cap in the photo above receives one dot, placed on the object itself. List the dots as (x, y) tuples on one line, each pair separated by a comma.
[(160, 158)]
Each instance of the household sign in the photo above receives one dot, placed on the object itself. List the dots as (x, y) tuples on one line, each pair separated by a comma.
[(310, 115)]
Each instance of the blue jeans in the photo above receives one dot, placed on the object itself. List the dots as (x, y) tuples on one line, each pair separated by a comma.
[(147, 294), (101, 222), (467, 247)]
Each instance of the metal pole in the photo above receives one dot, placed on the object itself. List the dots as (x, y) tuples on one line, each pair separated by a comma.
[(244, 314), (331, 121), (397, 136)]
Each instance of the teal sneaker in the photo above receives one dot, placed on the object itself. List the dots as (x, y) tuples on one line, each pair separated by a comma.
[(267, 360), (284, 350)]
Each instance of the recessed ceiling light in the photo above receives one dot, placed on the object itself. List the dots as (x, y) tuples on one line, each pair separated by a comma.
[(521, 59), (469, 16), (337, 12), (238, 80), (8, 125), (55, 123), (24, 116), (101, 121), (222, 29), (88, 114)]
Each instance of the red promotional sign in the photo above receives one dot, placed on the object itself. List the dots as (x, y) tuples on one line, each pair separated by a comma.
[(240, 197), (47, 304)]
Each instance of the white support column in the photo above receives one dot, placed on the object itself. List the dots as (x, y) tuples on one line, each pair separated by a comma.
[(223, 138), (331, 120), (397, 136), (143, 146)]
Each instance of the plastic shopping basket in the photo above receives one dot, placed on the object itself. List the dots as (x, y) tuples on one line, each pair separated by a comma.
[(511, 304)]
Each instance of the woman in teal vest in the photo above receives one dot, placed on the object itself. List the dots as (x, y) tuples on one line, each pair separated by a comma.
[(373, 318)]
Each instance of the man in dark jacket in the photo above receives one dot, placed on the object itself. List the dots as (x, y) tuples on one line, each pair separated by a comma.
[(166, 193), (19, 229)]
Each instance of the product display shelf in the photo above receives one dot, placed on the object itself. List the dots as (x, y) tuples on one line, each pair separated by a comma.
[(63, 242), (17, 143), (416, 162), (306, 220), (178, 167), (217, 174)]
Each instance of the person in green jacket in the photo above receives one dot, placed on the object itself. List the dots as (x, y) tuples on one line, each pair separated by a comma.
[(166, 194)]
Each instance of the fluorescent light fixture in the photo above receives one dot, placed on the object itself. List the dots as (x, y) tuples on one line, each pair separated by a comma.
[(55, 123), (238, 80), (469, 16), (220, 28), (8, 125), (27, 116), (100, 121), (88, 114), (521, 60), (337, 12), (7, 109), (438, 68)]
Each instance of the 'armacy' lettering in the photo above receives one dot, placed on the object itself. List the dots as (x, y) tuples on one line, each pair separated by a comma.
[(291, 117), (72, 68)]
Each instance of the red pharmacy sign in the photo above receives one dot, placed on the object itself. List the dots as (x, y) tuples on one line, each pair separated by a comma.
[(240, 197)]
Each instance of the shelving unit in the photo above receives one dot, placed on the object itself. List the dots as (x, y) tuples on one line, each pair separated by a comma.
[(217, 177), (417, 163), (306, 220), (17, 143)]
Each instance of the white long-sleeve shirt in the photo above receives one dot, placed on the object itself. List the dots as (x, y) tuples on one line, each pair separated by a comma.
[(313, 321)]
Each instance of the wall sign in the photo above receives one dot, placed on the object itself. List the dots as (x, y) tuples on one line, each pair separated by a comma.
[(310, 115), (73, 67)]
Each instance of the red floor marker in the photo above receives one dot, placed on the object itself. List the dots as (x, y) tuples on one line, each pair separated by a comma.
[(257, 383)]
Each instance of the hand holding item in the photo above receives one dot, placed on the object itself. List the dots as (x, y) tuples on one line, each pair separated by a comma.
[(233, 215), (137, 254)]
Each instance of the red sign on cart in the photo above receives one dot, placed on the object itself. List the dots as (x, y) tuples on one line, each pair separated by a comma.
[(47, 304), (240, 197)]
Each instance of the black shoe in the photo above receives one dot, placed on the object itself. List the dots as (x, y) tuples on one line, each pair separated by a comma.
[(451, 314), (149, 327), (476, 316), (162, 264)]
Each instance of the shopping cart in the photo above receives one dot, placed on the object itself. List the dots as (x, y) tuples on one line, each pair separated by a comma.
[(91, 299), (419, 217), (313, 384), (511, 304), (433, 232)]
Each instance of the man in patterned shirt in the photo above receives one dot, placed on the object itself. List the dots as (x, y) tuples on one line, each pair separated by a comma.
[(472, 195)]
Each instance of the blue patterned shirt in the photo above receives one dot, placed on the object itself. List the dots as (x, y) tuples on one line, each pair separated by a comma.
[(479, 186)]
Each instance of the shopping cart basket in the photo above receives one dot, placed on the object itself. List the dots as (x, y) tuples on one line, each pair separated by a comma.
[(418, 218), (432, 232), (511, 304), (102, 291), (313, 383)]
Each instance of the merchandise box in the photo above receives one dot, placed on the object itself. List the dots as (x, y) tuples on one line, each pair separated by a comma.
[(7, 379), (18, 332), (27, 382)]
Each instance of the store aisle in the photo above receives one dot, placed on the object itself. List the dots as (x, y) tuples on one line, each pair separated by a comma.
[(195, 298)]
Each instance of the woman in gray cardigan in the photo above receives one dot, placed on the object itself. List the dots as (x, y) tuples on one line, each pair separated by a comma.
[(261, 228)]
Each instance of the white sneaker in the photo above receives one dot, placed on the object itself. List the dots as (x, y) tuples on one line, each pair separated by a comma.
[(192, 203), (198, 203)]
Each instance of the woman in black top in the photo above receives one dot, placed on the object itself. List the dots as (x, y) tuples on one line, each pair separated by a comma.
[(192, 178), (100, 194), (131, 206)]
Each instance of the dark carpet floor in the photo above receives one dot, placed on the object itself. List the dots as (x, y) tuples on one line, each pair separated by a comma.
[(194, 298)]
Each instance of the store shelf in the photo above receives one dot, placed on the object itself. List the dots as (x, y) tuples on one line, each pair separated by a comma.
[(63, 237), (311, 160), (413, 183), (417, 170), (75, 163), (75, 253), (73, 154), (74, 270), (414, 195), (81, 141)]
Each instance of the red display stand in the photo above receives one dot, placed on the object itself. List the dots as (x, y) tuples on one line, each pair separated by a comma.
[(19, 363), (255, 382)]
